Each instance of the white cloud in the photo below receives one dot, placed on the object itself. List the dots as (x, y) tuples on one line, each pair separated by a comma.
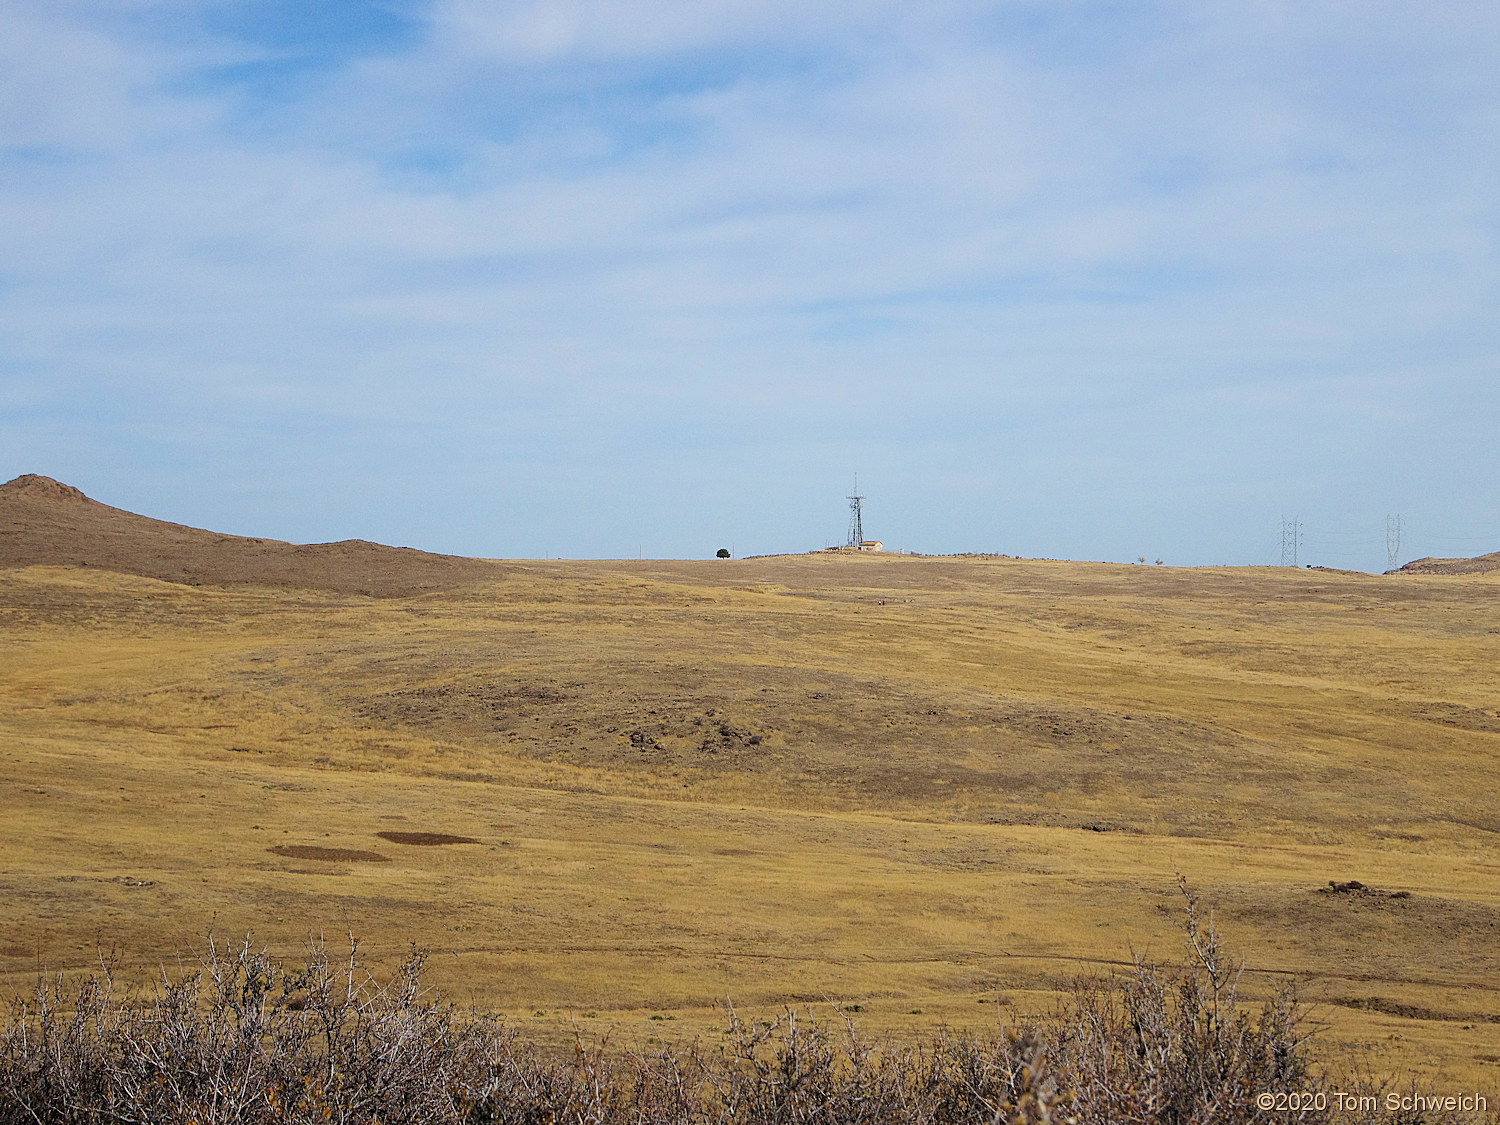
[(909, 221)]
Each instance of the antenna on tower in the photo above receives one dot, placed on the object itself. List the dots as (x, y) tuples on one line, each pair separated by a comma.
[(856, 523), (1393, 540)]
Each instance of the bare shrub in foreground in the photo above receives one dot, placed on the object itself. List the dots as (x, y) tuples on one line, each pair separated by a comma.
[(242, 1039), (1183, 1049)]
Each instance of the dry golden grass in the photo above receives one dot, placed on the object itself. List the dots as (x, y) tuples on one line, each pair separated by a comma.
[(691, 782)]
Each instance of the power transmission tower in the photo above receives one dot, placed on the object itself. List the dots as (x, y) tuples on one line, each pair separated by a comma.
[(856, 523), (1393, 540), (1291, 540)]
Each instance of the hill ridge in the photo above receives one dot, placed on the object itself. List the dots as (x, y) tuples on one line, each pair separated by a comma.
[(45, 522)]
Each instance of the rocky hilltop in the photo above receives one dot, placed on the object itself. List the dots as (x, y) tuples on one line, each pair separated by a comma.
[(1480, 564)]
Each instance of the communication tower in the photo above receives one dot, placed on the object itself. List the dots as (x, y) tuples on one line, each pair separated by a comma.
[(1393, 540), (856, 524)]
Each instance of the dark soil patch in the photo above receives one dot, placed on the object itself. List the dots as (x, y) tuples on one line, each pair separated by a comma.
[(313, 851), (1355, 887), (425, 839)]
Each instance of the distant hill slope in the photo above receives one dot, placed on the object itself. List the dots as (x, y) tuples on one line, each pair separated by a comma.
[(43, 521), (1480, 564)]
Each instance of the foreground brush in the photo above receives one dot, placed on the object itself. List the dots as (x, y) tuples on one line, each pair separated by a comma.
[(243, 1039)]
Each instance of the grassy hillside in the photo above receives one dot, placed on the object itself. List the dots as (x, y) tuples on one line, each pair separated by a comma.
[(686, 782)]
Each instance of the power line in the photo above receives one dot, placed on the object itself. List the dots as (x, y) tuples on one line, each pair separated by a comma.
[(1363, 535)]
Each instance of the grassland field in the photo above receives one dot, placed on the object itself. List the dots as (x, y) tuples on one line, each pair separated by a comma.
[(750, 780)]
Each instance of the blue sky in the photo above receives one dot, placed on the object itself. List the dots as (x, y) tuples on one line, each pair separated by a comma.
[(599, 277)]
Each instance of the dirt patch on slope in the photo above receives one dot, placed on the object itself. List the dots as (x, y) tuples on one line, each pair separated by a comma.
[(425, 839)]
